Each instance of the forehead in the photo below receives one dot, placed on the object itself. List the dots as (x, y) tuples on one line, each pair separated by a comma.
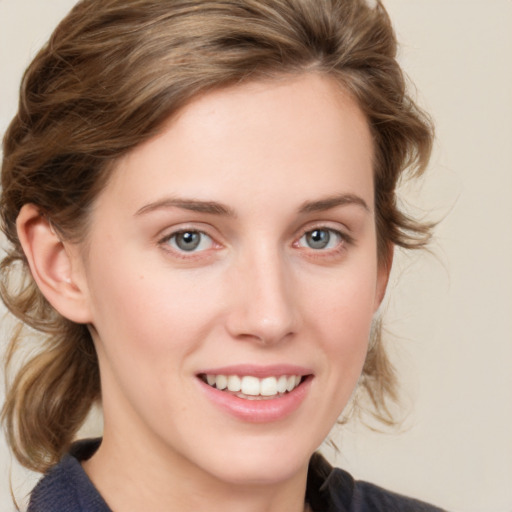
[(267, 137)]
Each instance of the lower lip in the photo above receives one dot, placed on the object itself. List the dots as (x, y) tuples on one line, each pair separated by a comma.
[(258, 411)]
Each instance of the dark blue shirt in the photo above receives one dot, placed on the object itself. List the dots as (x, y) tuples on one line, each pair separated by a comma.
[(67, 488)]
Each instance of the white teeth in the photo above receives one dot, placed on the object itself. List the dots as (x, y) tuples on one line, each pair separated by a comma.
[(234, 383), (250, 386), (268, 386), (221, 381), (281, 384), (253, 387)]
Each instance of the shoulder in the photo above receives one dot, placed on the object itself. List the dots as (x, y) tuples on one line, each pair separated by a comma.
[(66, 487), (334, 490), (369, 497)]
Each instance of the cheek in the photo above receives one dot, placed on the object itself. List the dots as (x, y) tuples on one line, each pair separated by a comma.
[(342, 316), (146, 327), (152, 314), (346, 301), (347, 338)]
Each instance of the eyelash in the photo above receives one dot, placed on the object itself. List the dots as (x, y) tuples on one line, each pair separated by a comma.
[(170, 243), (341, 241)]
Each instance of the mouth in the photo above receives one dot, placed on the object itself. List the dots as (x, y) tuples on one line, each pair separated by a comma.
[(257, 394), (249, 387)]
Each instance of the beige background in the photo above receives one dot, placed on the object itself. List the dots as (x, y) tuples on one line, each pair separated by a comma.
[(450, 313)]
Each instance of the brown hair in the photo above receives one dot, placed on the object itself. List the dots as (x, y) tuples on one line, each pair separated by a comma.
[(111, 74)]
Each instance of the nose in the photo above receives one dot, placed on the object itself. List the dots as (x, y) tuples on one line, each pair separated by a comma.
[(263, 303)]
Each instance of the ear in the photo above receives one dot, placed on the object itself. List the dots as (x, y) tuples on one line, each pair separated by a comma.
[(54, 265), (383, 272)]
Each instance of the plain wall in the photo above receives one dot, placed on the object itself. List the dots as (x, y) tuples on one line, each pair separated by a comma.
[(449, 313)]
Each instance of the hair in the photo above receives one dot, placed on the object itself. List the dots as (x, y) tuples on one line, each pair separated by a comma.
[(111, 74)]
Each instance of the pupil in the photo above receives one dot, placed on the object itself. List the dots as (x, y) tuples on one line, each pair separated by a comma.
[(187, 241), (318, 239)]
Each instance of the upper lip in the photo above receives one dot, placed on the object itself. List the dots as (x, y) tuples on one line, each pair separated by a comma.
[(257, 370)]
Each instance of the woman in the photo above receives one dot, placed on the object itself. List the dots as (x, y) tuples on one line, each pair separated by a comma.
[(201, 198)]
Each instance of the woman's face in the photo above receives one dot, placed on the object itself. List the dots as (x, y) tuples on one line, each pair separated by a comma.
[(237, 248)]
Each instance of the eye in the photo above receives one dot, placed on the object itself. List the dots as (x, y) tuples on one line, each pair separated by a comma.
[(189, 241), (321, 238)]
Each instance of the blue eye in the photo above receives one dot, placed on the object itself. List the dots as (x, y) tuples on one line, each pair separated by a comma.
[(319, 239), (190, 241)]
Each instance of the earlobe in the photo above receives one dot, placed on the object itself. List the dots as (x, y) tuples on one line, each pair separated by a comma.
[(52, 265)]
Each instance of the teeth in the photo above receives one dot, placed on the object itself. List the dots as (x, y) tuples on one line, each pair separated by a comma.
[(253, 387), (268, 386), (221, 381), (281, 384), (234, 383), (250, 386)]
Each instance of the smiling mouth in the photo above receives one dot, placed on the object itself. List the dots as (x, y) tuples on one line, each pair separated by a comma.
[(253, 388)]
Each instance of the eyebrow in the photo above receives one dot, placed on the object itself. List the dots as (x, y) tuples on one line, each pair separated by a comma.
[(333, 202), (215, 208), (211, 207)]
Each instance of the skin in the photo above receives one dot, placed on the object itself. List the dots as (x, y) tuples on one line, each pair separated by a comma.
[(254, 291)]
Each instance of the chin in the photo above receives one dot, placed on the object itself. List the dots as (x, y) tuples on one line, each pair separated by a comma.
[(259, 465), (271, 472)]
